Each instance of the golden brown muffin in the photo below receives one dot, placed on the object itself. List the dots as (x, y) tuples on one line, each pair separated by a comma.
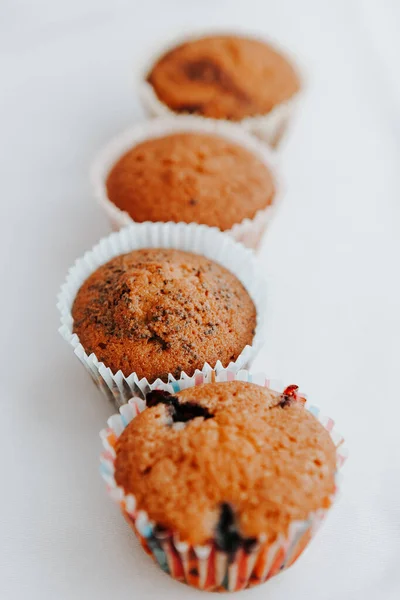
[(159, 311), (190, 177), (226, 459), (223, 77)]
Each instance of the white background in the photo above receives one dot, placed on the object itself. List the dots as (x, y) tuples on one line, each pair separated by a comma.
[(331, 258)]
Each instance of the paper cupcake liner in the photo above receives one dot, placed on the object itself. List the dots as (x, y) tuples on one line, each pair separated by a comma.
[(199, 239), (249, 231), (206, 567), (269, 127)]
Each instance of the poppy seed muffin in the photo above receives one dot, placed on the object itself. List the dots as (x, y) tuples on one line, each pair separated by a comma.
[(230, 463), (159, 311), (190, 177), (223, 77)]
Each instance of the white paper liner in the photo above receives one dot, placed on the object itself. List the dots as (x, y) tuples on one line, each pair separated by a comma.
[(206, 567), (269, 127), (249, 231), (199, 239)]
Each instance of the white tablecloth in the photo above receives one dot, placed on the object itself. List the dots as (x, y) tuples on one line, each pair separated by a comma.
[(331, 258)]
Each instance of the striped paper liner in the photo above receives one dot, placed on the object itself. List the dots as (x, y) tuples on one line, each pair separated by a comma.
[(207, 567), (250, 231), (269, 127), (200, 239)]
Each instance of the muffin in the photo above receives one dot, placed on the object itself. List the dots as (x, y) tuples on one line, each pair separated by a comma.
[(188, 169), (231, 263), (190, 177), (160, 311), (223, 482), (227, 77)]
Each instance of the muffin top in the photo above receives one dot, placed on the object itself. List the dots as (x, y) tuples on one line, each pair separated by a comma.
[(226, 461), (190, 177), (223, 77), (159, 311)]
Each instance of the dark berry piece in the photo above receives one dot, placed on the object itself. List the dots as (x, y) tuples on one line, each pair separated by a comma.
[(179, 413), (291, 390), (289, 396), (227, 536), (156, 397), (189, 410)]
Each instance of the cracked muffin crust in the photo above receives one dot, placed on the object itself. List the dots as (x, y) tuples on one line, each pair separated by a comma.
[(190, 177), (223, 77), (159, 311), (228, 462)]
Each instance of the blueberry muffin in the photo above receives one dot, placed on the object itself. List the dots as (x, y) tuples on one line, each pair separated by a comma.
[(190, 177), (158, 311), (226, 453), (223, 482)]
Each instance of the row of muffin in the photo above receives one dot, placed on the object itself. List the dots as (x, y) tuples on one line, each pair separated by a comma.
[(223, 479), (199, 161), (223, 475)]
